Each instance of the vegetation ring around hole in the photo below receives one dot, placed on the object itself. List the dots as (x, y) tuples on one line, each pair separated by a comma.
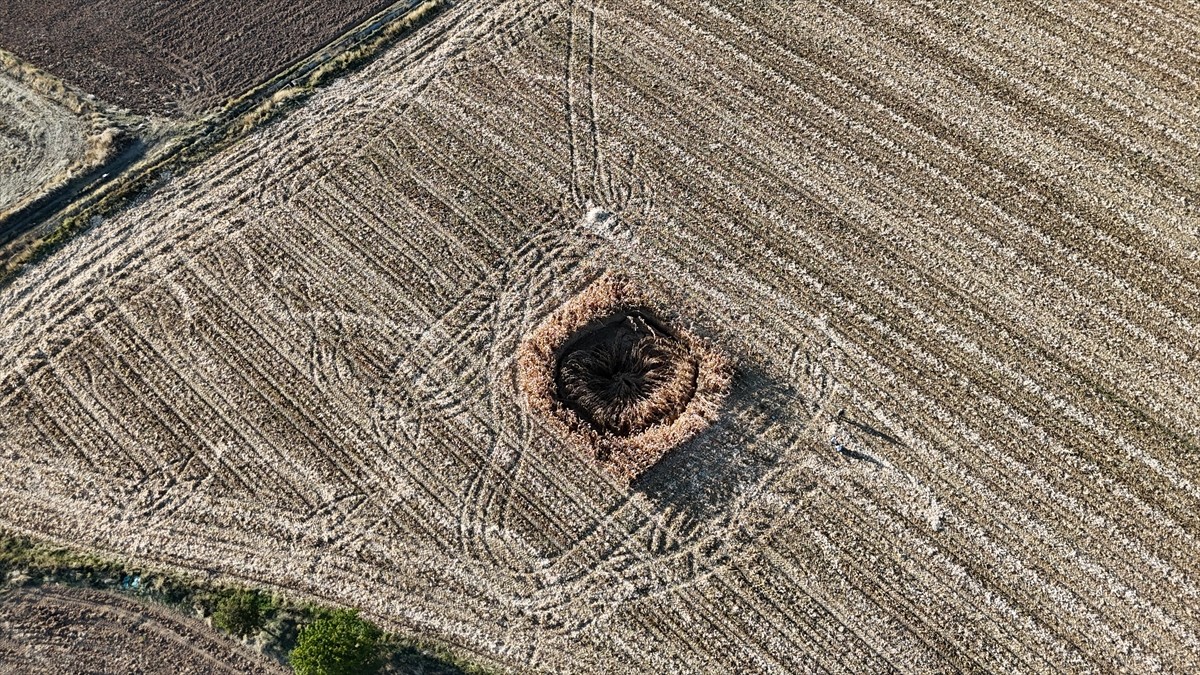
[(619, 383)]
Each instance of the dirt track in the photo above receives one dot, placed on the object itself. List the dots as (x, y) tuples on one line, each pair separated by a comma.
[(57, 631), (39, 141), (953, 259), (170, 57)]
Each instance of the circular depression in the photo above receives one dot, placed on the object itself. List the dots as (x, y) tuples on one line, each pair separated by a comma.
[(625, 373)]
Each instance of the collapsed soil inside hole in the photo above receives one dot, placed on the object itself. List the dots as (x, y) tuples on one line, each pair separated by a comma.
[(626, 373)]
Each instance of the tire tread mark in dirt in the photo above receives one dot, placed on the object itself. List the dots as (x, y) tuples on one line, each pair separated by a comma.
[(214, 400), (821, 616), (569, 104), (779, 600), (911, 614), (218, 337), (83, 302), (955, 556), (851, 82), (601, 182)]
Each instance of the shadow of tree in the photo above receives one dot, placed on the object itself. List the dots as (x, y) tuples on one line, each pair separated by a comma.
[(411, 661)]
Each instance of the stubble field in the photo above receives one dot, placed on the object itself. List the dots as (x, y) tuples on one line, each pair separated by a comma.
[(167, 57), (953, 261), (62, 630)]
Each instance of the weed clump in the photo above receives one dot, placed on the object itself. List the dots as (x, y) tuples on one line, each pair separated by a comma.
[(241, 613), (628, 375)]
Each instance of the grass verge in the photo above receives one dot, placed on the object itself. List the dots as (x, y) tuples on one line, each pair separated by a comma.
[(271, 623)]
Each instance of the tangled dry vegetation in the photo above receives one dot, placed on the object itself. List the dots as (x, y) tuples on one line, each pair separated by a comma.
[(619, 385), (950, 247)]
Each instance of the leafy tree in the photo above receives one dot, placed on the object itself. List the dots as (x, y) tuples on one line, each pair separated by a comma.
[(240, 613), (339, 643)]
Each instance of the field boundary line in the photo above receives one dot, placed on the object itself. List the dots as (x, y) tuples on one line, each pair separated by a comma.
[(138, 175)]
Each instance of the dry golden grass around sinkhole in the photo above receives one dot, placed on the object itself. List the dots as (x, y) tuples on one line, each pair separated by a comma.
[(617, 382)]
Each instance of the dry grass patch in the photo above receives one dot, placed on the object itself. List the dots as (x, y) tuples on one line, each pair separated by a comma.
[(617, 382)]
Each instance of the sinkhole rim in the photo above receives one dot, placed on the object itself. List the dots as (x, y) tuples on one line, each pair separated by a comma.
[(625, 373), (625, 451)]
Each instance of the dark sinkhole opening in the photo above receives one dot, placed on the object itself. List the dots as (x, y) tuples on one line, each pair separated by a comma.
[(626, 373)]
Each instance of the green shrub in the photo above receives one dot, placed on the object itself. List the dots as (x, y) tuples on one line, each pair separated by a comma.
[(339, 643), (240, 613)]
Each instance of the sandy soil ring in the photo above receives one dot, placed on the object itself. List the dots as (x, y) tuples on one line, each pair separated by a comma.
[(618, 383)]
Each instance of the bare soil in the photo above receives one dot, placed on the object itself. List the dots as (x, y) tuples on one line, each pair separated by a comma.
[(56, 630), (171, 57)]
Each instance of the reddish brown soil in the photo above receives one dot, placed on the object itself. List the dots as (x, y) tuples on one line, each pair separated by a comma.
[(171, 57), (57, 630)]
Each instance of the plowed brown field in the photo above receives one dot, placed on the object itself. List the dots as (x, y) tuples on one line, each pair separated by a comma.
[(171, 57), (951, 249), (53, 631)]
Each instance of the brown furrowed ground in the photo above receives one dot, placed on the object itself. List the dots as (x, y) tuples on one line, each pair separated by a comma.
[(171, 57), (54, 630), (952, 251)]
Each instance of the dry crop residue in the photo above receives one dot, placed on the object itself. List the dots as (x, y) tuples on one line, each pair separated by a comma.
[(950, 248), (53, 630), (171, 57), (39, 142), (617, 383)]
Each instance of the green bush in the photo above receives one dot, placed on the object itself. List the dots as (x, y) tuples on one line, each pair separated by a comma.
[(339, 643), (240, 613)]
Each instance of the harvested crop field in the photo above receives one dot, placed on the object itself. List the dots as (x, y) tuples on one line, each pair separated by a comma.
[(52, 630), (170, 57), (950, 251), (40, 141)]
